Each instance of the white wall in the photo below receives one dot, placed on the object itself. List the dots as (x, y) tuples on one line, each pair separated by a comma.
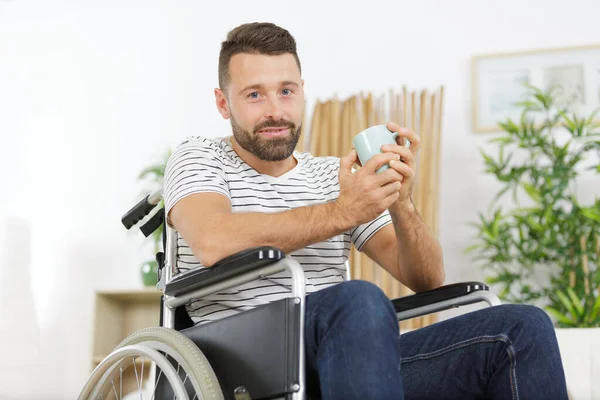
[(90, 92)]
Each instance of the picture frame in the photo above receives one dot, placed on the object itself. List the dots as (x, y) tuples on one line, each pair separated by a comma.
[(498, 81)]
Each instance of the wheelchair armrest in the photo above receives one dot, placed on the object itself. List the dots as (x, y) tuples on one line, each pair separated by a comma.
[(443, 298), (230, 267)]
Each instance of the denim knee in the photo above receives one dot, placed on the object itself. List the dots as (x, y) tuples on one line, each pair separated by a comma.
[(533, 320), (365, 301)]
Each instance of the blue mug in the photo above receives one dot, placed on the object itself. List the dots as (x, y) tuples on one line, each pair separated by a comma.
[(368, 143)]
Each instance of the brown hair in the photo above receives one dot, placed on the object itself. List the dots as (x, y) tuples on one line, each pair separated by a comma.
[(254, 38)]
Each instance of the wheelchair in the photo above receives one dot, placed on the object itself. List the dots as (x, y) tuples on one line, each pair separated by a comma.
[(255, 354)]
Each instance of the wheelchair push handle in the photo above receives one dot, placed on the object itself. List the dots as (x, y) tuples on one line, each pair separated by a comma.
[(141, 209)]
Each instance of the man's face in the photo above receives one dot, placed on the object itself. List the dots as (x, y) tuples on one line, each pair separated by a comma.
[(265, 100)]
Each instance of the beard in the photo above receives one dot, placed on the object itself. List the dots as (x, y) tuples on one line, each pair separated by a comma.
[(275, 149)]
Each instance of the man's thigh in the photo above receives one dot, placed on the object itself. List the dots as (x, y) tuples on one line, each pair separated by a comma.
[(461, 357)]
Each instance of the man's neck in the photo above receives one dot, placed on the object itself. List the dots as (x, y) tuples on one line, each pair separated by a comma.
[(271, 168)]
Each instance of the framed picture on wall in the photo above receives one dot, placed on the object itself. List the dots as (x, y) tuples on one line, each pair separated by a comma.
[(498, 82)]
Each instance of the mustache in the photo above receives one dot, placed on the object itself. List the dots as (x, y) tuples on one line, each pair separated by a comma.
[(275, 124)]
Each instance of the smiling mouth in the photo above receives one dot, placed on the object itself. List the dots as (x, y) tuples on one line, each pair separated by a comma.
[(274, 132)]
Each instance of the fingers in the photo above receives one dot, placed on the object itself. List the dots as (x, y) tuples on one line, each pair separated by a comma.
[(403, 169), (347, 162), (379, 160), (406, 155), (391, 188), (388, 176), (404, 134), (389, 200)]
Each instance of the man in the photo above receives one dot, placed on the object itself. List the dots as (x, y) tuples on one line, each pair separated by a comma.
[(252, 189)]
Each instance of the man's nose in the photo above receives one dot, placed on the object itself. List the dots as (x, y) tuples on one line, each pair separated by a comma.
[(274, 110)]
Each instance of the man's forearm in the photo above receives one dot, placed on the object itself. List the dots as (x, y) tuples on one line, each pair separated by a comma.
[(419, 253), (289, 230)]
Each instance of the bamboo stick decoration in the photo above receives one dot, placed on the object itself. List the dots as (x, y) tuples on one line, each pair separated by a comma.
[(315, 134), (367, 111), (344, 146), (393, 107), (335, 122), (584, 265), (323, 145), (422, 170), (334, 129), (349, 132), (405, 106), (301, 139), (400, 116), (413, 111), (325, 126), (437, 160), (429, 161), (434, 163)]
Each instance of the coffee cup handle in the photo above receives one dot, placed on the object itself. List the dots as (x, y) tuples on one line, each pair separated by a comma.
[(395, 136)]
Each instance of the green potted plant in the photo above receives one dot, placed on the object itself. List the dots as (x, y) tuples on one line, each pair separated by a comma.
[(544, 248), (152, 177), (541, 246)]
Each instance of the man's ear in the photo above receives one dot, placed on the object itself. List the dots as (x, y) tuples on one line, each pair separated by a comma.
[(222, 105)]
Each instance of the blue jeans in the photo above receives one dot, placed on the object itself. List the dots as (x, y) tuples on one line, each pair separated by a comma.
[(354, 351)]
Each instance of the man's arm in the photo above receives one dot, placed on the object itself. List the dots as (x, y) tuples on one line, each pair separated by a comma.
[(213, 232), (207, 224), (408, 250)]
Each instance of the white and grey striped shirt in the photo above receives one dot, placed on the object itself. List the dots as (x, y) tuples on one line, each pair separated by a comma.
[(211, 165)]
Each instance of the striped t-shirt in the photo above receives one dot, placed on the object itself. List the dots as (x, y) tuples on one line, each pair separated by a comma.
[(211, 165)]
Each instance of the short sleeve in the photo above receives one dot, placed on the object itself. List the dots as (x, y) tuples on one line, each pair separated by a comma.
[(362, 233), (193, 168)]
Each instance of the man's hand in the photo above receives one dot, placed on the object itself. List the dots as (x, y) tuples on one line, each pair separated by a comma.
[(365, 194), (408, 250), (406, 166)]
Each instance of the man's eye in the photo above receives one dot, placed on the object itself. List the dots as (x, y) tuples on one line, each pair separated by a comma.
[(286, 92), (253, 95)]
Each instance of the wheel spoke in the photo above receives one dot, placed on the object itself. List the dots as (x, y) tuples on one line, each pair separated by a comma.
[(142, 380), (167, 351), (137, 380), (156, 384), (178, 366), (114, 389)]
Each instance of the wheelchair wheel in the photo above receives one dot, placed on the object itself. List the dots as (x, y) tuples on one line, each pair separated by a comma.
[(165, 349)]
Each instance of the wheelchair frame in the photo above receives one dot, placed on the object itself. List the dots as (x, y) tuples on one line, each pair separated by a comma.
[(263, 261)]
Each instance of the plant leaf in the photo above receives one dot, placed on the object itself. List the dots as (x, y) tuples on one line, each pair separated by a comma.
[(595, 310), (590, 119), (591, 213), (575, 301), (472, 248), (561, 317), (502, 140), (533, 193), (157, 170), (566, 303)]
